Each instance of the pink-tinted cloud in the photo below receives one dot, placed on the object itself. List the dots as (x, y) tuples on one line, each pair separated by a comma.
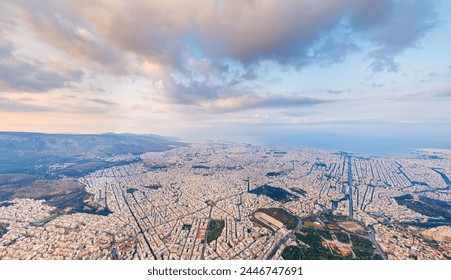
[(208, 51)]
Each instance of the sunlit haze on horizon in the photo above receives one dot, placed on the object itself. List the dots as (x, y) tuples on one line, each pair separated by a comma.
[(259, 71)]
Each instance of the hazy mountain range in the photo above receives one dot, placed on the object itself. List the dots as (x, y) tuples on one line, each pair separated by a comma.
[(25, 156)]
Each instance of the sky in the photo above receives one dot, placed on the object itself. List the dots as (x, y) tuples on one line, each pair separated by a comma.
[(227, 69)]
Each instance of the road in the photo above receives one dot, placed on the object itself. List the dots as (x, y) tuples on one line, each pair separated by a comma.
[(285, 239), (373, 240), (139, 226), (351, 207)]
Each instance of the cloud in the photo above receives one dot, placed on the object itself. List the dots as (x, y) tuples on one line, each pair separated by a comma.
[(251, 31), (262, 101), (209, 51), (50, 23), (102, 102), (17, 74), (335, 91), (394, 26), (169, 32), (443, 94), (9, 105), (289, 32)]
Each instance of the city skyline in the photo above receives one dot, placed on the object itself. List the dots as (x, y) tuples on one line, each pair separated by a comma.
[(226, 69)]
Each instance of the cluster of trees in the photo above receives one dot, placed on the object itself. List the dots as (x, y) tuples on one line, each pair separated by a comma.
[(313, 238), (342, 236), (214, 230)]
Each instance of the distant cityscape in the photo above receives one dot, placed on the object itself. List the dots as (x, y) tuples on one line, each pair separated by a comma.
[(148, 197)]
